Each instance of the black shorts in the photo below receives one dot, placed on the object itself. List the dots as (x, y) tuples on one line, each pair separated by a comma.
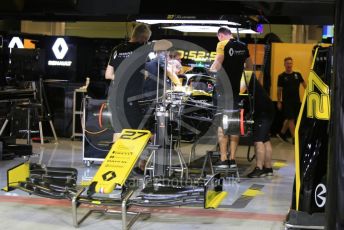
[(291, 110), (261, 129)]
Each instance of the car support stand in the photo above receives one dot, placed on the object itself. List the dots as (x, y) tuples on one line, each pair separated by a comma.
[(159, 162), (77, 200)]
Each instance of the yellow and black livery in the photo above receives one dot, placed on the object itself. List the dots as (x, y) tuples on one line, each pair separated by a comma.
[(311, 145)]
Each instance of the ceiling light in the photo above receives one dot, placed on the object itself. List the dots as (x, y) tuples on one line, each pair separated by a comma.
[(213, 22), (206, 29), (247, 31)]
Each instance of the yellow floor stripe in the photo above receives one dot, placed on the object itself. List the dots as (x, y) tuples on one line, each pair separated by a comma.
[(279, 164), (252, 192), (216, 199)]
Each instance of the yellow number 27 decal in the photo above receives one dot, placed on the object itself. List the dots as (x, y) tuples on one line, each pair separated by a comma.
[(318, 104)]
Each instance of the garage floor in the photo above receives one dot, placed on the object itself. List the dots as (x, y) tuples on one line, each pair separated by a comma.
[(242, 209)]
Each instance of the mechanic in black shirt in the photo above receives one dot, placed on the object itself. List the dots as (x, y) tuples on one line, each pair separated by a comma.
[(263, 117), (231, 55), (288, 92), (140, 36)]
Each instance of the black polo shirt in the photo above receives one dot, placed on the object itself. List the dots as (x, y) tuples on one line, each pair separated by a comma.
[(290, 84), (133, 87), (121, 52), (235, 54)]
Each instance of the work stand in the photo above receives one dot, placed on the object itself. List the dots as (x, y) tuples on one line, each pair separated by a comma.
[(123, 203), (38, 106), (232, 173), (45, 112), (78, 111), (180, 167)]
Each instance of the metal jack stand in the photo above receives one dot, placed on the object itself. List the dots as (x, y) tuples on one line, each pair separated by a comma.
[(78, 199), (45, 112), (167, 110), (233, 173), (192, 154), (181, 168)]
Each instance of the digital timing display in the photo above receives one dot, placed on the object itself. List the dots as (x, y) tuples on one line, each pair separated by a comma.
[(197, 55)]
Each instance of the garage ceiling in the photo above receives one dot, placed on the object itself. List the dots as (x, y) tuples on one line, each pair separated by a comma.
[(273, 11)]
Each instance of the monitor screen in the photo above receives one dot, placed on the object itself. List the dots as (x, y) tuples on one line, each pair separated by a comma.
[(27, 64), (328, 33)]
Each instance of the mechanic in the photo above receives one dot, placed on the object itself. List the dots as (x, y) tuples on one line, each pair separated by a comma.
[(288, 91), (140, 36), (263, 117), (231, 55)]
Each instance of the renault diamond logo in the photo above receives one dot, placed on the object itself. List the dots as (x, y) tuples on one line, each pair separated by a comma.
[(231, 52), (60, 48), (15, 41), (109, 175), (320, 195)]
